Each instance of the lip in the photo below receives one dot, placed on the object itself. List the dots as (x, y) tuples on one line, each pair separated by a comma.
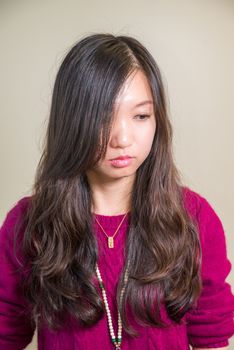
[(121, 163), (121, 157)]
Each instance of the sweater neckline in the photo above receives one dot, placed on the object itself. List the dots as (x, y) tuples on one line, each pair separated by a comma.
[(112, 220), (111, 216)]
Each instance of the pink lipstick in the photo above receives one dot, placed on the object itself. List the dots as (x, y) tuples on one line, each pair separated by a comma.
[(121, 161)]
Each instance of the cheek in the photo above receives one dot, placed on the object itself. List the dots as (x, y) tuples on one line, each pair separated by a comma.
[(145, 148), (147, 136)]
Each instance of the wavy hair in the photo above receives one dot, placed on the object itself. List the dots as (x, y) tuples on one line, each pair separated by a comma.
[(59, 241)]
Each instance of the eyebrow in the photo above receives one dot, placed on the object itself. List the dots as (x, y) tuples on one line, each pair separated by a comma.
[(144, 103)]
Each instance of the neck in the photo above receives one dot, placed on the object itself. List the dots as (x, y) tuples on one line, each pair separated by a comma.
[(112, 198)]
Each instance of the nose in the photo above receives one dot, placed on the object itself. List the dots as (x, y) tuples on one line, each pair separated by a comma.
[(121, 134)]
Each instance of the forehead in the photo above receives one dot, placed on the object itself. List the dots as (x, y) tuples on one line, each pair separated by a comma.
[(135, 89)]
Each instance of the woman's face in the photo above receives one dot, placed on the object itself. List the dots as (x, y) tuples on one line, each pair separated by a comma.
[(132, 132)]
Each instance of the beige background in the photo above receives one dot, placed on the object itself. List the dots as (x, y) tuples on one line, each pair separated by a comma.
[(193, 44)]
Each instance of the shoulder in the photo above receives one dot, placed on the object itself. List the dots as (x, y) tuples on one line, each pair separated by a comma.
[(198, 206), (205, 216), (13, 222), (16, 212)]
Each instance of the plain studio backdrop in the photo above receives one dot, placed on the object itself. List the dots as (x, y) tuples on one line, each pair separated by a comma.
[(193, 43)]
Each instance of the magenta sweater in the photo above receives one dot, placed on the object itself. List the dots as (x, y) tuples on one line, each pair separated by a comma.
[(209, 326)]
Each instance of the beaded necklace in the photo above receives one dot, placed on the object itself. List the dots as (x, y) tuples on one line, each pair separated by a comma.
[(116, 341)]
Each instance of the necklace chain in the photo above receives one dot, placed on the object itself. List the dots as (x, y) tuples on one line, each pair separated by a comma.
[(116, 341), (111, 238)]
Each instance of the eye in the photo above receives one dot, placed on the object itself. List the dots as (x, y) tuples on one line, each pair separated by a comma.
[(142, 116)]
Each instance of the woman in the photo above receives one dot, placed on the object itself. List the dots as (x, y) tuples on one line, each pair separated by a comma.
[(111, 250)]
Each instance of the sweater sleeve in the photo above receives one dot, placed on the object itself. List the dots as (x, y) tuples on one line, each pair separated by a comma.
[(16, 329), (210, 324)]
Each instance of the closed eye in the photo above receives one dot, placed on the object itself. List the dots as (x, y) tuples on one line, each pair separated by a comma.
[(142, 116)]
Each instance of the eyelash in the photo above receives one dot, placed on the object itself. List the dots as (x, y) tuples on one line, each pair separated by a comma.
[(143, 115)]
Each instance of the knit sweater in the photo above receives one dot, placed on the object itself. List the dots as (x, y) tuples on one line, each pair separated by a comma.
[(210, 325)]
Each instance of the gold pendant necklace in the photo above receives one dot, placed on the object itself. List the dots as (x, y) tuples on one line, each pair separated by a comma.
[(111, 238), (111, 242)]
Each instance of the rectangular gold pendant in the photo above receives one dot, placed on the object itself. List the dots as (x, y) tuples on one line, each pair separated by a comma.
[(110, 242)]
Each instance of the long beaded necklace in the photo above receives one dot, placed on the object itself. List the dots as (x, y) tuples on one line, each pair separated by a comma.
[(116, 341)]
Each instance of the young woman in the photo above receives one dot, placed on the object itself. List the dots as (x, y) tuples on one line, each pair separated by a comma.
[(111, 251)]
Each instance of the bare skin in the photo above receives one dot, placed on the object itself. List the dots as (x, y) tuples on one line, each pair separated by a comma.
[(132, 134)]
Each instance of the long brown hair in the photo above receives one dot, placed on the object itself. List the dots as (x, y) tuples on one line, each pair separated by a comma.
[(59, 242)]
